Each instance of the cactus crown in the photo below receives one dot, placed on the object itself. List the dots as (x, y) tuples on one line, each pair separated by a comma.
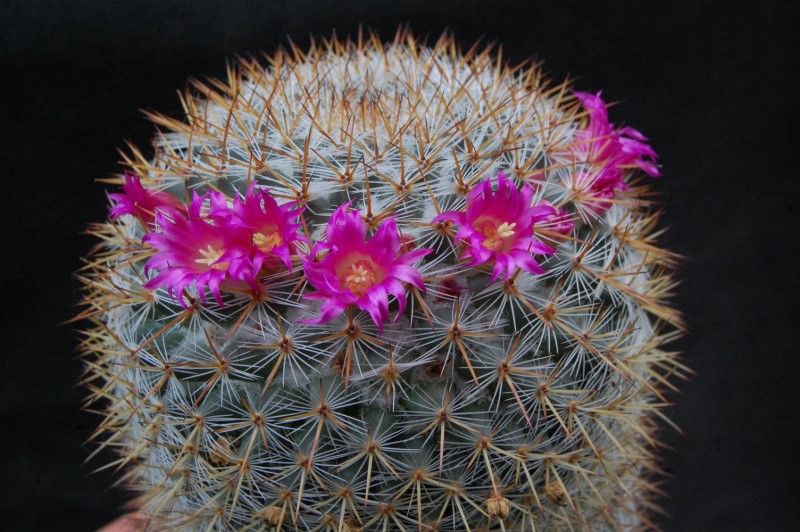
[(384, 286)]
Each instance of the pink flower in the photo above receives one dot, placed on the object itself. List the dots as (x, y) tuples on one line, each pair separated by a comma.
[(613, 150), (499, 227), (269, 229), (557, 221), (593, 194), (195, 250), (140, 202), (360, 272)]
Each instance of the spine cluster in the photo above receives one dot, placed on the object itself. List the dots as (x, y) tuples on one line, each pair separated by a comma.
[(384, 287)]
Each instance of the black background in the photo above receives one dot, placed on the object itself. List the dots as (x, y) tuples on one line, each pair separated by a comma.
[(713, 84)]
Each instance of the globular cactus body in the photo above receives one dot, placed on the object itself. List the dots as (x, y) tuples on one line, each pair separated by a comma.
[(384, 287)]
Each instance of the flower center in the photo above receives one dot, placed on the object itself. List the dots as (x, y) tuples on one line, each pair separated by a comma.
[(211, 256), (268, 242), (495, 235), (361, 277)]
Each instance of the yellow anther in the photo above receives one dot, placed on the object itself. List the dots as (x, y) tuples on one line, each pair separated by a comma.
[(495, 235), (268, 242), (506, 230), (211, 256), (361, 277)]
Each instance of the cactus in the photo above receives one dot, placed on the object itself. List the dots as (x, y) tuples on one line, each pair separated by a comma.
[(384, 287)]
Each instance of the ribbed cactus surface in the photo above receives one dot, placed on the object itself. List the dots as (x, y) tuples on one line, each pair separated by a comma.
[(384, 287)]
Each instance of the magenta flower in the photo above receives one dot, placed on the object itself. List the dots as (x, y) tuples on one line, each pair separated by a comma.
[(140, 202), (270, 230), (498, 226), (195, 250), (613, 150), (360, 272), (594, 194), (557, 221)]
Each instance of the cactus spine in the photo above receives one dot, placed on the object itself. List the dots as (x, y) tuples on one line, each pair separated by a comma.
[(522, 398)]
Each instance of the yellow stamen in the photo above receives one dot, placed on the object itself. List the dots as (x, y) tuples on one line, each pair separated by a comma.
[(506, 230), (268, 242), (495, 236), (361, 278), (211, 256)]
